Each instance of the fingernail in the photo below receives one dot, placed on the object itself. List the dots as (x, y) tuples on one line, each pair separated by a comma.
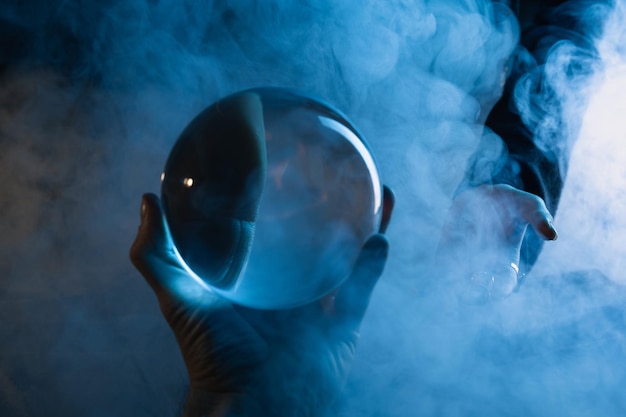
[(143, 209), (551, 224)]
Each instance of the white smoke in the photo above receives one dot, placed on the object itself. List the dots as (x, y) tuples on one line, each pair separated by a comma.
[(591, 218)]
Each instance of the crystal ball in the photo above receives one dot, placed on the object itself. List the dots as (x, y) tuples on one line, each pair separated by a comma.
[(269, 196)]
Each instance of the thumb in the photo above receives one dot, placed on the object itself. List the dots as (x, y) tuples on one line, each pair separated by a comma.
[(151, 234), (154, 256), (353, 297)]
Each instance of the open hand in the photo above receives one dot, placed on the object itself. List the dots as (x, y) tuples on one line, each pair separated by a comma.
[(482, 237)]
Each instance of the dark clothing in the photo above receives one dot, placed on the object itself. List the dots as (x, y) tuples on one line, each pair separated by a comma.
[(536, 153)]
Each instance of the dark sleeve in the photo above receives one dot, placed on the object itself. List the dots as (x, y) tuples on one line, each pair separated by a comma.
[(528, 118)]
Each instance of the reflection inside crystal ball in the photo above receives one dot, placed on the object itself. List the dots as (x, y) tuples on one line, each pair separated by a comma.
[(269, 196)]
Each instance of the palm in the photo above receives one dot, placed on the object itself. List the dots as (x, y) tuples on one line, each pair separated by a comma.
[(294, 359), (299, 352)]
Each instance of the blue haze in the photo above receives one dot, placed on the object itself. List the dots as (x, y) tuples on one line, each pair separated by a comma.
[(92, 97)]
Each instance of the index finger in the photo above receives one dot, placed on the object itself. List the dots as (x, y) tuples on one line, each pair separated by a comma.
[(533, 210)]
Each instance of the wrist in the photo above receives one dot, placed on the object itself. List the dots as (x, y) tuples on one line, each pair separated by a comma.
[(202, 403)]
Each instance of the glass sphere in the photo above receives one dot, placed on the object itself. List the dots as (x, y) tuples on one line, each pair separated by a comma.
[(269, 196)]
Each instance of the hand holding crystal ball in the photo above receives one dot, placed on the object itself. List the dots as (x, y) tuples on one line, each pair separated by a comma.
[(269, 196)]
